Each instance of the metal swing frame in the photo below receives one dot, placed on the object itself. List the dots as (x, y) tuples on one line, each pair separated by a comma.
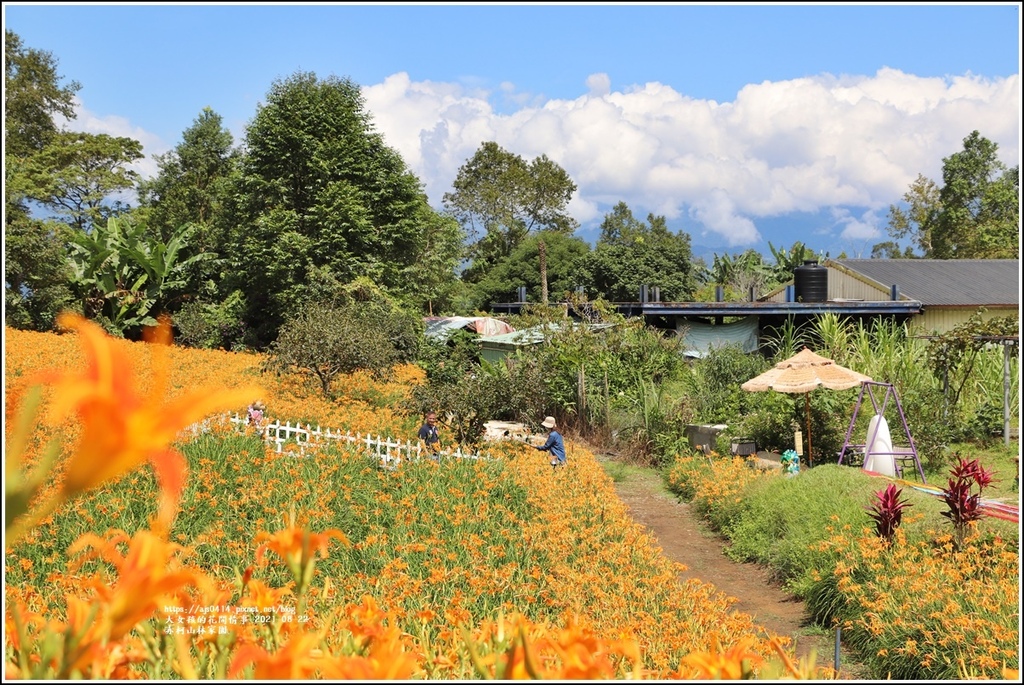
[(902, 456)]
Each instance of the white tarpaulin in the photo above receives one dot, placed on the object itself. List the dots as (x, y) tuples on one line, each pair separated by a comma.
[(699, 338)]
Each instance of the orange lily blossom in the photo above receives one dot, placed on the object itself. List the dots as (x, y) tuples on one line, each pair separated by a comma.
[(731, 664), (122, 428), (298, 548), (149, 577), (387, 660), (298, 658)]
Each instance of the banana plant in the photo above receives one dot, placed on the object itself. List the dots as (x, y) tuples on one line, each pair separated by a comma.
[(127, 275)]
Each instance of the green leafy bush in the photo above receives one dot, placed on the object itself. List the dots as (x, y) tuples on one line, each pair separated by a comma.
[(325, 340), (211, 326), (769, 421), (447, 360), (713, 384)]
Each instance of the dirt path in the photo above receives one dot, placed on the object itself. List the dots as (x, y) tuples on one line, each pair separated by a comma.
[(685, 539)]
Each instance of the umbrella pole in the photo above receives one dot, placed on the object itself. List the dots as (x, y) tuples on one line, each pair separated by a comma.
[(807, 411)]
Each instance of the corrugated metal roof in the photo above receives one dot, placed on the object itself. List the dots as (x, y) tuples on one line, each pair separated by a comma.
[(440, 327), (529, 336), (946, 282)]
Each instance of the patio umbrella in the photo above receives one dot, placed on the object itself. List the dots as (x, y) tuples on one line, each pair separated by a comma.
[(802, 373)]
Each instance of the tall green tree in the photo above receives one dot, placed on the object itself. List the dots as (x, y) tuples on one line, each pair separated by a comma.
[(975, 214), (566, 261), (32, 96), (631, 253), (76, 174), (980, 200), (433, 280), (192, 188), (36, 275), (917, 219), (320, 198), (193, 178), (499, 198)]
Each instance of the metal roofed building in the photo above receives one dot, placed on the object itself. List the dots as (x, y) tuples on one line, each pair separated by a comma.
[(495, 347), (929, 295), (441, 327), (949, 290)]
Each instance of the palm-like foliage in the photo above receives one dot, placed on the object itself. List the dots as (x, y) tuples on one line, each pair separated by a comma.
[(126, 275)]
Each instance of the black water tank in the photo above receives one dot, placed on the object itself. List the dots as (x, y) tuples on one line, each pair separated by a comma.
[(811, 282)]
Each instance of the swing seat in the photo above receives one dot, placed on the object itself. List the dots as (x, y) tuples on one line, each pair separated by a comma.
[(882, 456)]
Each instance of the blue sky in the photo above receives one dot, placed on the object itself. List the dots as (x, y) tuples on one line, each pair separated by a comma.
[(742, 124)]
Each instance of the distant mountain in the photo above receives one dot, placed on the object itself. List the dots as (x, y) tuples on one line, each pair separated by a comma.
[(708, 252)]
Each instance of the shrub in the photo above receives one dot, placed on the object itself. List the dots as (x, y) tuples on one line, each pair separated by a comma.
[(770, 421), (446, 361), (212, 326), (887, 511), (463, 406), (324, 341), (713, 384)]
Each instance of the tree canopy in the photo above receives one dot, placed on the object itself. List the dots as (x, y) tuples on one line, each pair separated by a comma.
[(321, 200), (631, 253), (975, 214), (32, 96), (565, 254), (499, 198), (36, 273)]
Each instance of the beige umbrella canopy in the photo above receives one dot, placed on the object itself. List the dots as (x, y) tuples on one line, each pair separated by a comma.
[(802, 373)]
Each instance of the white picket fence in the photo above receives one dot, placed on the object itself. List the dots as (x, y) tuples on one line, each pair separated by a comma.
[(389, 452)]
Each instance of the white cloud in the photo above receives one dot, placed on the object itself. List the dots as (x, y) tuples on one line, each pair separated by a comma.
[(717, 212), (865, 227), (803, 145), (800, 145), (599, 84)]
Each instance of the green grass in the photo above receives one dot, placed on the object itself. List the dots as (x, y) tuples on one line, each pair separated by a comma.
[(994, 456), (804, 528)]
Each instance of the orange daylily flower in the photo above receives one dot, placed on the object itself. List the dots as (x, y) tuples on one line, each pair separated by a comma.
[(297, 659), (149, 577), (263, 597), (365, 620), (296, 545), (299, 549), (585, 656), (734, 663), (121, 427), (387, 660)]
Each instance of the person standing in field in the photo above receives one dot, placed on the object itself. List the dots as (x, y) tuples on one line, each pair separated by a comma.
[(429, 436), (256, 412), (555, 444)]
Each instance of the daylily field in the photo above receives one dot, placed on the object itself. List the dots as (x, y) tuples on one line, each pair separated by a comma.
[(144, 550)]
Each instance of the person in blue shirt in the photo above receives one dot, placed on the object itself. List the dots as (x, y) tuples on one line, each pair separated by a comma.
[(555, 444), (429, 435)]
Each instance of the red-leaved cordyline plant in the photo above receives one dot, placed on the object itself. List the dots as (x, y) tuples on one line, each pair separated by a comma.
[(887, 511), (965, 505)]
